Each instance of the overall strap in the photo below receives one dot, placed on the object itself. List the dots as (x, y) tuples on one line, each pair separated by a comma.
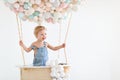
[(44, 44), (33, 47)]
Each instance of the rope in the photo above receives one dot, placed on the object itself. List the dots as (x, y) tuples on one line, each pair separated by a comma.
[(59, 40), (21, 30), (20, 36), (66, 37), (68, 28)]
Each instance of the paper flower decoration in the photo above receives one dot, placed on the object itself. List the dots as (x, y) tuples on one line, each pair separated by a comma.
[(51, 11)]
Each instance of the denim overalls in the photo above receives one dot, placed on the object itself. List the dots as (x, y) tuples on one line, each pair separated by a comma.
[(41, 55)]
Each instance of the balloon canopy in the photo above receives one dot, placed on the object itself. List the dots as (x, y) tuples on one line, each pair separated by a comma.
[(51, 11)]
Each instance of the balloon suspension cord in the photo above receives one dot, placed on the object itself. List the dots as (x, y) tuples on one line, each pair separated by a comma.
[(20, 36)]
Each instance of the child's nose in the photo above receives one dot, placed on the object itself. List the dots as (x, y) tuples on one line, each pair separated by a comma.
[(44, 36)]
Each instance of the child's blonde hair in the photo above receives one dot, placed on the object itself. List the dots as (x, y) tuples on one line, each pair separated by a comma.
[(37, 29)]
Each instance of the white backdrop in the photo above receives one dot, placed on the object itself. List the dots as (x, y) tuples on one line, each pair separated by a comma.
[(93, 43)]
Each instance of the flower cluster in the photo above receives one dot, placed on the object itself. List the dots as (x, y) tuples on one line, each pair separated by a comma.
[(58, 72), (51, 11)]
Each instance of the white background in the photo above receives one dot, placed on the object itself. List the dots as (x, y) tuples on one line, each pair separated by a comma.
[(93, 43)]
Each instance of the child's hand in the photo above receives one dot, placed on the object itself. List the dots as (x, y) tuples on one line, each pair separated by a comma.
[(63, 45), (21, 43)]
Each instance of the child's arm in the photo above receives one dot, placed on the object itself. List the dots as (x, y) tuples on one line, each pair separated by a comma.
[(56, 47), (24, 47)]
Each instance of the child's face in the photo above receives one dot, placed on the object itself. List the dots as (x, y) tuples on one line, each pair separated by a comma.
[(41, 35)]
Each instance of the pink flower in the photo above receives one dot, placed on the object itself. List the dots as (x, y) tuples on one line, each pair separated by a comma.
[(49, 20), (21, 9)]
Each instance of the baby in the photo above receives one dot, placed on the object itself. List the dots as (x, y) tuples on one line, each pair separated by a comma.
[(40, 47)]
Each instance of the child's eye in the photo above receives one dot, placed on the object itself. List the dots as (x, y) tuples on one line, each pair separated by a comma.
[(43, 34)]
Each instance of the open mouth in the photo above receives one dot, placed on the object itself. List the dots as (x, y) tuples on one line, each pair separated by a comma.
[(43, 38)]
